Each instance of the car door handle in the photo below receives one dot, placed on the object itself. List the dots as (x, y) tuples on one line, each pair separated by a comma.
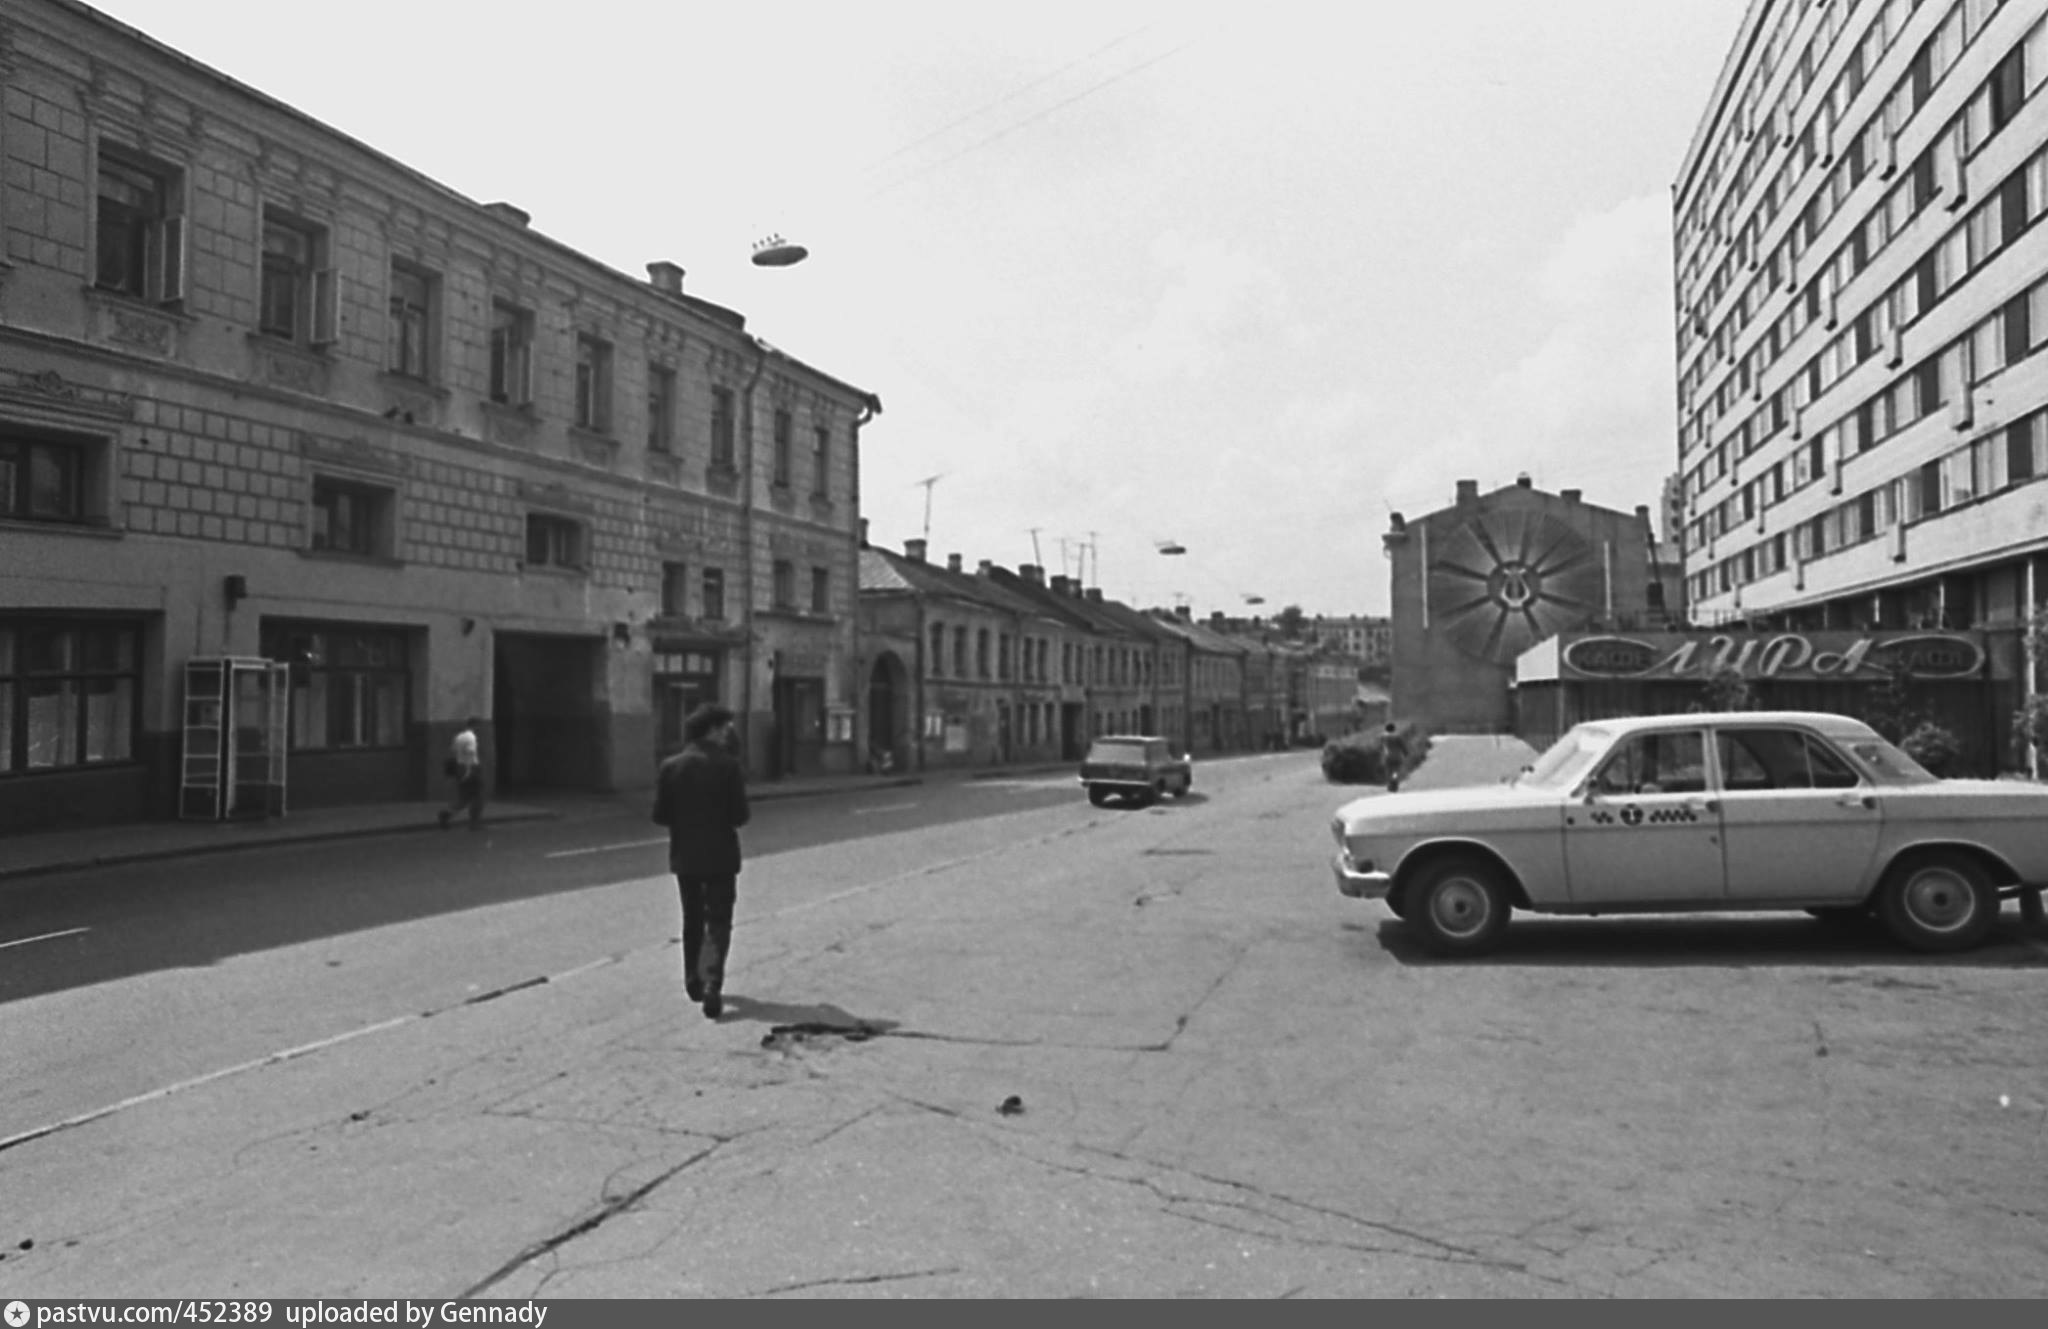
[(1865, 801), (1699, 805)]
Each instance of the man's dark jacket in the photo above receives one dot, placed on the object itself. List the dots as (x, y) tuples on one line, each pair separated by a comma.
[(701, 796)]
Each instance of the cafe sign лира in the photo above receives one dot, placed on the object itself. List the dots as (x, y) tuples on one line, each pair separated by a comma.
[(1839, 656)]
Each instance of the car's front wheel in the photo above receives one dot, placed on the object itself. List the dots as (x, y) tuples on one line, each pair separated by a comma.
[(1460, 905), (1941, 901), (1098, 796)]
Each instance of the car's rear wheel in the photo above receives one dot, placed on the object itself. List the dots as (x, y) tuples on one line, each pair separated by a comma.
[(1942, 901), (1460, 905), (1098, 796)]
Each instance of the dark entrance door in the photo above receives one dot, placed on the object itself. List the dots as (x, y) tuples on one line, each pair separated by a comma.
[(883, 711), (545, 713), (798, 743), (1070, 731)]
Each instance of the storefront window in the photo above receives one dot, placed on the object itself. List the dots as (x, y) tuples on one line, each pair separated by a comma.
[(67, 694), (349, 685)]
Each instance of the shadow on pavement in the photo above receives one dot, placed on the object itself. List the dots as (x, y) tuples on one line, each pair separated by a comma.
[(1651, 942)]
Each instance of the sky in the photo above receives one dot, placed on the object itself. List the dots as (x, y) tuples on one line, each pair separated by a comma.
[(1244, 279)]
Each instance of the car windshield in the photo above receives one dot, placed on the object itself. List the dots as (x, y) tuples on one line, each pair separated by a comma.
[(1888, 763), (1564, 761), (1115, 749)]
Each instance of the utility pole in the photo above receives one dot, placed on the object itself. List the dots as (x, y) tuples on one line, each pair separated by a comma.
[(1035, 556)]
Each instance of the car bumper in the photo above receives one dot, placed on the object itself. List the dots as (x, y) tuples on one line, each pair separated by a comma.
[(1368, 885), (1118, 786)]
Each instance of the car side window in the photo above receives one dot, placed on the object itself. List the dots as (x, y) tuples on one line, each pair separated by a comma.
[(1670, 763), (1754, 759), (1830, 770)]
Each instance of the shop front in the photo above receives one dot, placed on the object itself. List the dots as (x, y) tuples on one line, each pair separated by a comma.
[(1949, 678)]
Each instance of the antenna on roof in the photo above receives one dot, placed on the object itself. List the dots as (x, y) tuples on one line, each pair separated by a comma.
[(1035, 558), (928, 482)]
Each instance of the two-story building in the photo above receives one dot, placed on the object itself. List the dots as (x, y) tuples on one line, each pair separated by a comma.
[(268, 395)]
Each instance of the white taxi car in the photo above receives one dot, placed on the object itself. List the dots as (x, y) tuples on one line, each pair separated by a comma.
[(1750, 810)]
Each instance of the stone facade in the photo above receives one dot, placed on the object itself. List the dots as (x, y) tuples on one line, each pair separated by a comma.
[(268, 393), (1475, 584)]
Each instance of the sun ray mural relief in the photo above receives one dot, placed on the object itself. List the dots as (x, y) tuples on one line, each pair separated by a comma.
[(1504, 581)]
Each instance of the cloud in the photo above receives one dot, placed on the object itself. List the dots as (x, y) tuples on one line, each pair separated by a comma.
[(1214, 296)]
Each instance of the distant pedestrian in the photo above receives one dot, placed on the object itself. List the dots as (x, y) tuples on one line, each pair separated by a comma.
[(701, 796), (1393, 754), (467, 770)]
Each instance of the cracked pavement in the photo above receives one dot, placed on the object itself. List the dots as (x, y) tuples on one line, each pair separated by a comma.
[(1245, 1087)]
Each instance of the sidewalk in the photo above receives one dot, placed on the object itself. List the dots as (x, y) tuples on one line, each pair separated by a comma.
[(41, 852)]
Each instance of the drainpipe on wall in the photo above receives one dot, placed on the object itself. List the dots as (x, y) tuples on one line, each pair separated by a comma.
[(2033, 663), (761, 350)]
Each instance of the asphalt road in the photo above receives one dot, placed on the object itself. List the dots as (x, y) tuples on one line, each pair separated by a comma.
[(1223, 1080)]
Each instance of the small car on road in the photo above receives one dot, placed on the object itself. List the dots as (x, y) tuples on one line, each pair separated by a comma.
[(1137, 767), (1746, 810)]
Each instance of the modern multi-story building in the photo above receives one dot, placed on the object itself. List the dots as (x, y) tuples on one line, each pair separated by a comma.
[(271, 397), (1862, 296), (1366, 638)]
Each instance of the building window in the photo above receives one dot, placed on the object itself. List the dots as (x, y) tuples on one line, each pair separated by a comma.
[(714, 594), (348, 685), (981, 660), (47, 478), (938, 650), (821, 591), (353, 518), (412, 304), (960, 652), (782, 445), (511, 354), (821, 464), (296, 298), (661, 408), (675, 589), (140, 240), (721, 428), (785, 584), (683, 681), (593, 384), (553, 542), (68, 694)]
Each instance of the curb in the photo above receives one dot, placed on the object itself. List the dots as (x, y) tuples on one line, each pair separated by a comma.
[(230, 847)]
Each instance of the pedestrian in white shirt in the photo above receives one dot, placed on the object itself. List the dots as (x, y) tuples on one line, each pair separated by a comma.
[(467, 770)]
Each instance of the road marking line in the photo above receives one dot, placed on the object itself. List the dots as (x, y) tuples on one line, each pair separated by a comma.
[(606, 848), (886, 807), (47, 936), (166, 1091)]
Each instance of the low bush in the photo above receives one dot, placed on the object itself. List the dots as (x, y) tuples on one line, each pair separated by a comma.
[(1933, 746), (1362, 758)]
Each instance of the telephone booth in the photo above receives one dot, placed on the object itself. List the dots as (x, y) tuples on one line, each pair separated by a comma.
[(235, 715)]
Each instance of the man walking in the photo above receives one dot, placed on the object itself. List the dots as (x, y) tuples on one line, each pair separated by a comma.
[(467, 770), (701, 796)]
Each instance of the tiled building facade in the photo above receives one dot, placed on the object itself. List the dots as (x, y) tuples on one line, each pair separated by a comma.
[(268, 394), (1862, 294)]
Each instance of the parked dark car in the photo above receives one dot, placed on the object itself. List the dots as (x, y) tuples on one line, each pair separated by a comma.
[(1135, 767)]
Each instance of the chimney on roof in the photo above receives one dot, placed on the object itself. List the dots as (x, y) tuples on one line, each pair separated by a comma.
[(914, 550), (1643, 514), (665, 276), (1524, 481), (1216, 619), (1031, 573), (1468, 491), (863, 532), (507, 212), (1095, 595), (1059, 583), (1185, 613), (987, 568), (1569, 495), (952, 562)]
